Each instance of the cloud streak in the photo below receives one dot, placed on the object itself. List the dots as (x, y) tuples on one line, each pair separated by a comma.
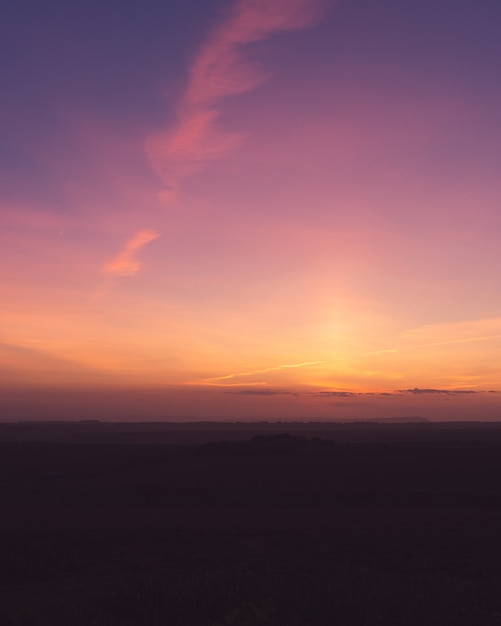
[(220, 70), (418, 391), (336, 394), (278, 368), (263, 392), (434, 344), (126, 263)]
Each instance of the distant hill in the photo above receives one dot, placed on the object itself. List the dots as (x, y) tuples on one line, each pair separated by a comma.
[(406, 419)]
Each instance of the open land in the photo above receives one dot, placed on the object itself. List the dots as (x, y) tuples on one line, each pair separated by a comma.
[(242, 524)]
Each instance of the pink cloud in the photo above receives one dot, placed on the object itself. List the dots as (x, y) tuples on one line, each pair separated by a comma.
[(126, 263), (218, 71)]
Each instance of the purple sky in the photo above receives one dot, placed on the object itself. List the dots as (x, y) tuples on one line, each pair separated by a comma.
[(238, 209)]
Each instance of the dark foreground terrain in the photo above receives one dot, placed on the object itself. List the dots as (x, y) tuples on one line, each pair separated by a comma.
[(286, 525)]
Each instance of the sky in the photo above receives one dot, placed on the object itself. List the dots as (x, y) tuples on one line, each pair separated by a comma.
[(250, 209)]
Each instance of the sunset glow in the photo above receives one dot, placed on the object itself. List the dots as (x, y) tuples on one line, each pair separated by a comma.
[(251, 209)]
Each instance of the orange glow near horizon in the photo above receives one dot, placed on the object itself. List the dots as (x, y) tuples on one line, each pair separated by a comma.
[(272, 209)]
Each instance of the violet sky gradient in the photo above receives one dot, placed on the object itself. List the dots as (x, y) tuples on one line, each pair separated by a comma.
[(248, 209)]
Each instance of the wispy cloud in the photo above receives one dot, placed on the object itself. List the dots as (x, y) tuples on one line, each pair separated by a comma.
[(418, 391), (42, 366), (126, 263), (235, 375), (336, 394), (445, 334), (219, 70), (263, 392)]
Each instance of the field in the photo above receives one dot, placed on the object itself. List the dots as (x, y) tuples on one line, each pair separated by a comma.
[(307, 524)]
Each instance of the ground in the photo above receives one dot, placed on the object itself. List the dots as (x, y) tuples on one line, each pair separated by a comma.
[(390, 525)]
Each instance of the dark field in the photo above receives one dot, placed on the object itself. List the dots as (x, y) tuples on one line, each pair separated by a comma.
[(145, 525)]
